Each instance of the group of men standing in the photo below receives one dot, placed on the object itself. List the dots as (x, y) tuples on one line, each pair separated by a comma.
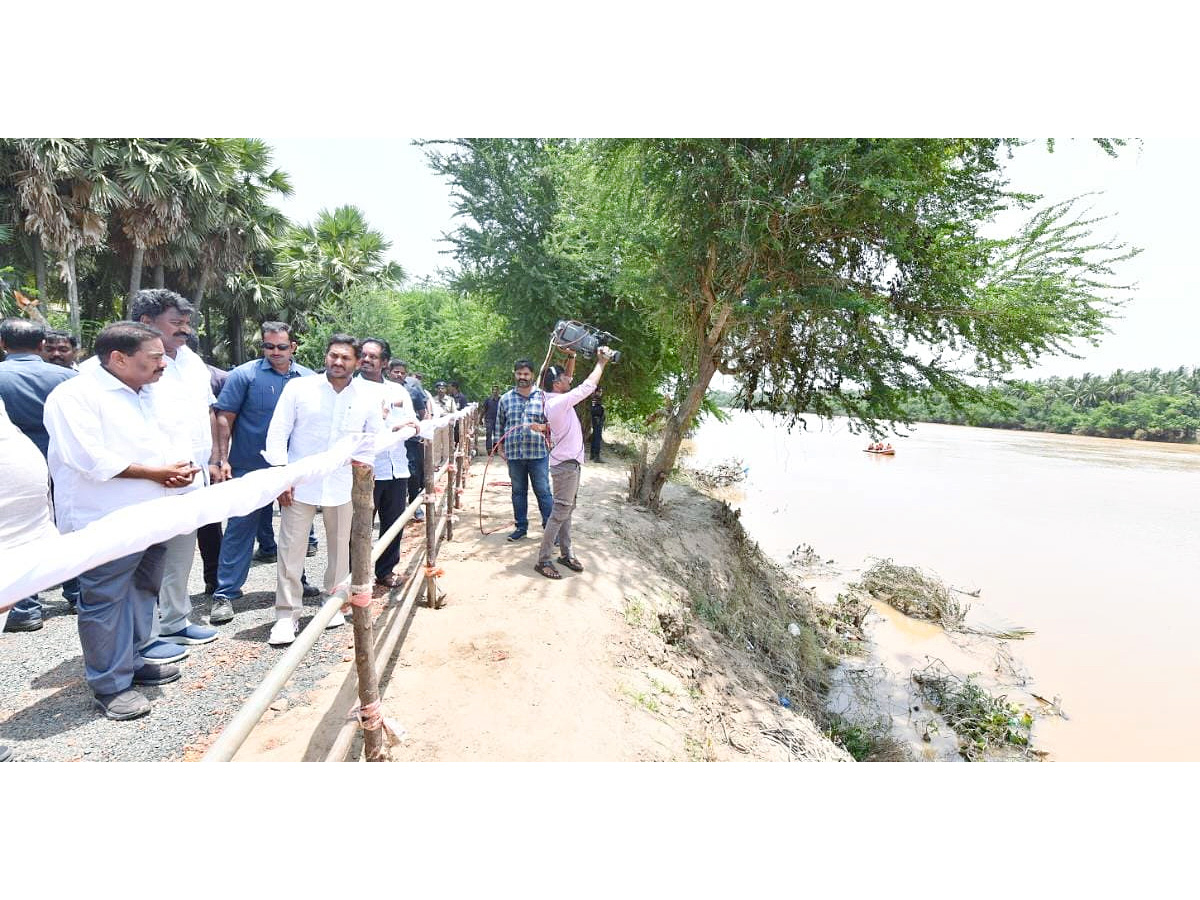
[(142, 419)]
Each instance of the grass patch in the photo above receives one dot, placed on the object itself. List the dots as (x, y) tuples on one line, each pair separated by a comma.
[(641, 698), (981, 721), (634, 612), (751, 600), (865, 741)]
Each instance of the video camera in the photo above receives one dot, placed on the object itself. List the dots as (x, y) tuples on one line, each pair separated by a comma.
[(583, 339)]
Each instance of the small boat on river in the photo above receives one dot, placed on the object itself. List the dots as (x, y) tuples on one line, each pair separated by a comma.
[(886, 451)]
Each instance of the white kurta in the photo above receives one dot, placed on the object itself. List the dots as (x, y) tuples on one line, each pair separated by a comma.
[(98, 428), (187, 377)]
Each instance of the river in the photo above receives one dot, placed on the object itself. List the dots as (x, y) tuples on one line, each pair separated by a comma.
[(1092, 543)]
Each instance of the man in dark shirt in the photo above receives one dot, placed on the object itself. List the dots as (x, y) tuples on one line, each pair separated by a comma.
[(244, 411), (597, 413), (25, 381), (60, 349)]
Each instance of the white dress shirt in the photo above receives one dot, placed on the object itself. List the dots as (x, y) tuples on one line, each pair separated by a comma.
[(187, 377), (310, 418), (397, 407), (98, 428)]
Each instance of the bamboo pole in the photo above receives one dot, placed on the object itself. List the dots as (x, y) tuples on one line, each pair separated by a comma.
[(452, 455), (363, 499), (431, 598)]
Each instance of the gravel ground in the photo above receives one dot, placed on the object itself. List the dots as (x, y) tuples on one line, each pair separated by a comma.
[(46, 711)]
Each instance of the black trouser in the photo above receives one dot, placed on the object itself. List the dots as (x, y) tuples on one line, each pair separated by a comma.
[(209, 538), (416, 467), (491, 434), (391, 497), (597, 439)]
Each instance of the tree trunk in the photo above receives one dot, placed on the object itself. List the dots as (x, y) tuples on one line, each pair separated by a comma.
[(201, 287), (39, 267), (236, 354), (646, 485), (652, 479), (206, 343), (160, 276), (135, 276), (73, 297)]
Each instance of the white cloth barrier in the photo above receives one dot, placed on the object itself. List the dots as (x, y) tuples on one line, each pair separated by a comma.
[(49, 561)]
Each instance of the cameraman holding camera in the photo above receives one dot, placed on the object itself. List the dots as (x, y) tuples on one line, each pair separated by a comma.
[(566, 455)]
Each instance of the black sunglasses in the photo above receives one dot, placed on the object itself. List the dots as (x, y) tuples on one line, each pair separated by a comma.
[(267, 345)]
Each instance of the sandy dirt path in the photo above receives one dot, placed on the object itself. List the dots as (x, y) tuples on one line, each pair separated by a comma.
[(518, 667)]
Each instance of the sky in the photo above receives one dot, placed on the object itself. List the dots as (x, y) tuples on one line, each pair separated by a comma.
[(1146, 193)]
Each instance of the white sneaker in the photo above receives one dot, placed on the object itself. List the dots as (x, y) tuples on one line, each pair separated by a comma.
[(283, 632), (337, 621)]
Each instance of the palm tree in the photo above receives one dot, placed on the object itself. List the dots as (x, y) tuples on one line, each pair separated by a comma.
[(66, 194), (317, 262), (240, 221)]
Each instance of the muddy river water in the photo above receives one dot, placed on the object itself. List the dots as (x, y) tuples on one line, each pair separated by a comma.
[(1092, 543)]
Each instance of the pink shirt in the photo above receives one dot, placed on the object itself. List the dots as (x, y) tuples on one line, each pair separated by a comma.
[(565, 431)]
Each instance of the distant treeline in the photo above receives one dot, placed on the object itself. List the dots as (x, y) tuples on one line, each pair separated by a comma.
[(1152, 405)]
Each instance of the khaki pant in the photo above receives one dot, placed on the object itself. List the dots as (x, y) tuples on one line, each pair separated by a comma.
[(565, 477), (294, 523)]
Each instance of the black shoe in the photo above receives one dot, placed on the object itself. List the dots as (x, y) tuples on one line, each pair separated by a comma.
[(220, 612), (30, 625), (517, 535), (128, 704), (153, 673), (264, 557), (310, 591)]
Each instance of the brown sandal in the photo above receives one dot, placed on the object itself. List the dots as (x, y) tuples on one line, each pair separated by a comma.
[(547, 569), (571, 563)]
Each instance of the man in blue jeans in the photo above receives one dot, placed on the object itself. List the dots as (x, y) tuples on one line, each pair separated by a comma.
[(525, 450), (244, 412)]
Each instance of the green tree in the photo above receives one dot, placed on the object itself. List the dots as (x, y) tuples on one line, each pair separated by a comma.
[(540, 242), (317, 262), (66, 193), (851, 274), (446, 334)]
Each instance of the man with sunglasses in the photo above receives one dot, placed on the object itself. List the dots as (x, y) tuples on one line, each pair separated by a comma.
[(244, 412)]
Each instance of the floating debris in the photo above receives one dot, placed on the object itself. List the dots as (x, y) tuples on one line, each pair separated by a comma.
[(913, 593), (721, 474)]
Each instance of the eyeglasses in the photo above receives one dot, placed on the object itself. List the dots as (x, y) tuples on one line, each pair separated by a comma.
[(267, 345)]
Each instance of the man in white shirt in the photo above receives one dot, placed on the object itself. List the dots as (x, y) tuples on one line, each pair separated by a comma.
[(391, 466), (311, 416), (186, 374), (113, 443), (187, 379)]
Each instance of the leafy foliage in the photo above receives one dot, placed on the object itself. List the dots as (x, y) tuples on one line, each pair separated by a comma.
[(1153, 405), (445, 334)]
